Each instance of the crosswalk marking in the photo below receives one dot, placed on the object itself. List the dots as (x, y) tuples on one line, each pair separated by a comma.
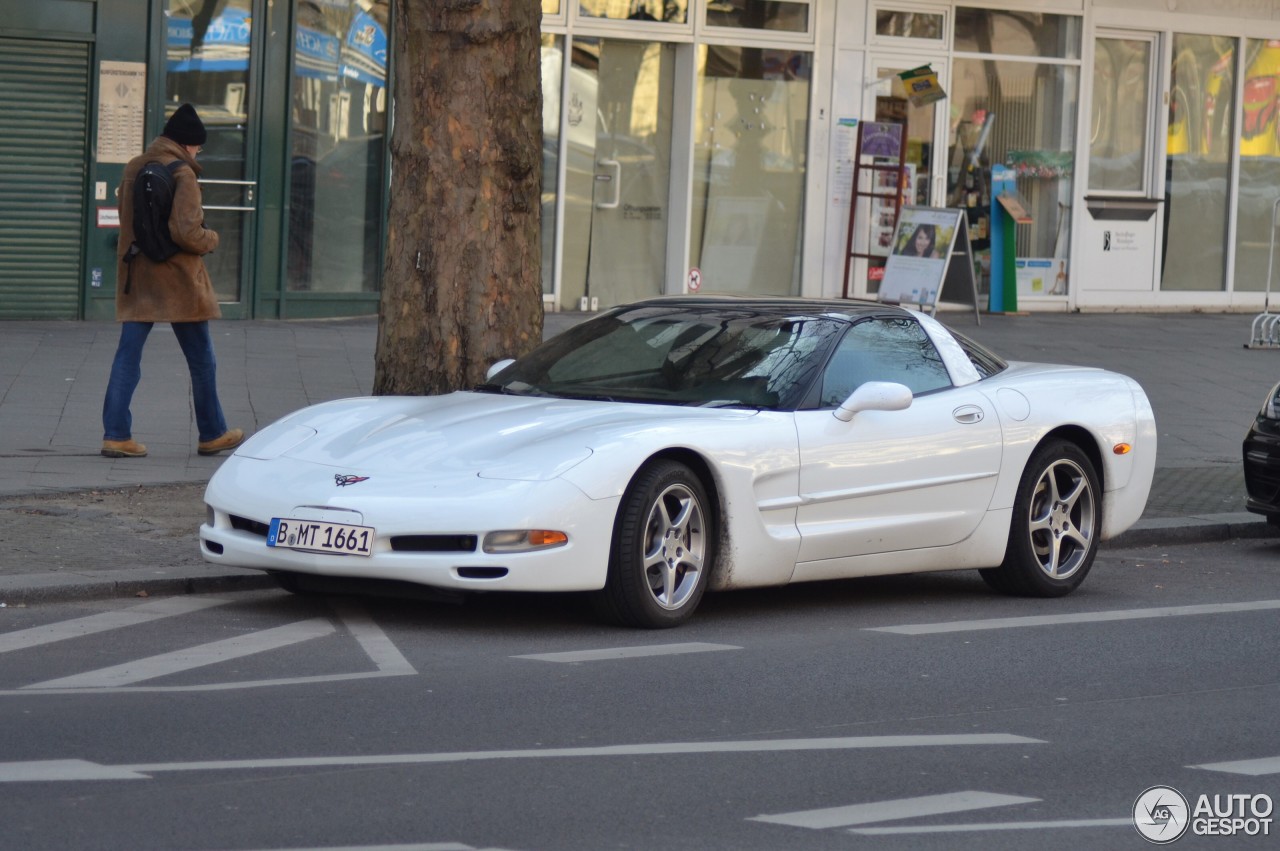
[(35, 636), (628, 652), (1249, 767), (1077, 617), (928, 805), (193, 657)]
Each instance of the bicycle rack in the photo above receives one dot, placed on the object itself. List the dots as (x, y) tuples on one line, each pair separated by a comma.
[(1263, 334)]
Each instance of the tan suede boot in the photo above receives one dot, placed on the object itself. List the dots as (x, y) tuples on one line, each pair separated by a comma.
[(123, 449), (230, 440)]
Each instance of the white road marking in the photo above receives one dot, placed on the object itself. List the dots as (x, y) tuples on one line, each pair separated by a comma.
[(1250, 767), (194, 657), (37, 635), (15, 771), (982, 828), (929, 805), (388, 659), (628, 652), (1079, 617), (418, 846), (28, 691), (63, 769), (375, 642)]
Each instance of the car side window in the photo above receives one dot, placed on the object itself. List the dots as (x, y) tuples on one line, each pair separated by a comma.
[(883, 349)]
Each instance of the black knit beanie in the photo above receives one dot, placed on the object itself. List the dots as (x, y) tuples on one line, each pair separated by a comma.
[(185, 127)]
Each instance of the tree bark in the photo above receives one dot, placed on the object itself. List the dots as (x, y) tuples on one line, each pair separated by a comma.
[(462, 284)]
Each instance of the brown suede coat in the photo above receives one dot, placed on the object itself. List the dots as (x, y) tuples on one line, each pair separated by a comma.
[(179, 289)]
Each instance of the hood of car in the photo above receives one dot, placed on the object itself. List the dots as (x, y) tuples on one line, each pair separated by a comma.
[(493, 436)]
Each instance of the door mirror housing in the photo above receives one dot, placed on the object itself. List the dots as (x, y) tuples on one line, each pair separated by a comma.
[(874, 396), (498, 367)]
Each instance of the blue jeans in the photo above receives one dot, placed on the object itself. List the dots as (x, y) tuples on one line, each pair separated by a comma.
[(126, 372)]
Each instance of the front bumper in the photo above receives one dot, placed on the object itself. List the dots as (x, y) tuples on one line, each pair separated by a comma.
[(235, 534)]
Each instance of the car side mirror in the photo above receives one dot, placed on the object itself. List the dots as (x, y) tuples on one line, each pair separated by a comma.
[(874, 396), (498, 367)]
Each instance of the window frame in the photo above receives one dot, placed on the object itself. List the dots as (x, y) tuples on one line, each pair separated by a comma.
[(817, 392), (942, 43)]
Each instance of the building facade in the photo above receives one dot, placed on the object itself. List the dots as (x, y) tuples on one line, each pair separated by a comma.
[(688, 145)]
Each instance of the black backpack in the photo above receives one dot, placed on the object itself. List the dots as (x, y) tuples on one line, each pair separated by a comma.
[(153, 188)]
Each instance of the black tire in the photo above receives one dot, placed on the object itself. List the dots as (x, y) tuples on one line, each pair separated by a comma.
[(664, 545), (1057, 520)]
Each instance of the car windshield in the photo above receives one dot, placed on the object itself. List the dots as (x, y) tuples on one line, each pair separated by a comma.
[(679, 356)]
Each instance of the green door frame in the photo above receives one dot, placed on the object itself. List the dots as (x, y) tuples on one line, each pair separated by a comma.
[(264, 263)]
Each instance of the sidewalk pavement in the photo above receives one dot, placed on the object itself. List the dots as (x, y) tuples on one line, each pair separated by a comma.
[(75, 525)]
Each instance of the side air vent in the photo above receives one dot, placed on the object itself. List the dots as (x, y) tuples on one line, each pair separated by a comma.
[(244, 524)]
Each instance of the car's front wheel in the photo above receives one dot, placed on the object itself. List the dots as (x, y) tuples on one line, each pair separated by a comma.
[(1057, 518), (663, 549)]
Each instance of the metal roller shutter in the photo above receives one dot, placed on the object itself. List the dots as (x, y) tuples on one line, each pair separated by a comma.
[(44, 103)]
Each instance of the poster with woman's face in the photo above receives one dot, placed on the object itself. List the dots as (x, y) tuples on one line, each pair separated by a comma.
[(921, 245)]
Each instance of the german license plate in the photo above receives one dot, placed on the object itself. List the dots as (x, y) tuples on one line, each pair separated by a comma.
[(318, 537)]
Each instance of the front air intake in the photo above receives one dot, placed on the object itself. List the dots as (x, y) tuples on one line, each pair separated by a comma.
[(434, 543)]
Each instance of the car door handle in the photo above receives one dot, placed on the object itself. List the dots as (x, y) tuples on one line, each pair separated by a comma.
[(968, 414)]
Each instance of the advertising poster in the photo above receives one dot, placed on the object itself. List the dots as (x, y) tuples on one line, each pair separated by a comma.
[(918, 261)]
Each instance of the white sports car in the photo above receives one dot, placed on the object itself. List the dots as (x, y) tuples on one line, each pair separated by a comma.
[(684, 444)]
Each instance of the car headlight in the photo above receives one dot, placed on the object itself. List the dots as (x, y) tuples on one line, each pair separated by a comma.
[(1271, 407), (523, 540)]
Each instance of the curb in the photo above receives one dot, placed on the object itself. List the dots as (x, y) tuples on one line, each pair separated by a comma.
[(53, 587), (1196, 529), (68, 587)]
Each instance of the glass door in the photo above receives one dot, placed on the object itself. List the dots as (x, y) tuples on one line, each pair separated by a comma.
[(886, 102), (211, 47), (1122, 229), (339, 119), (617, 160)]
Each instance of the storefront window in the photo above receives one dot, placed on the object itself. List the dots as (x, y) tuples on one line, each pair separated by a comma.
[(926, 25), (337, 178), (1259, 165), (1016, 33), (1021, 115), (749, 166), (777, 15), (670, 11), (1119, 122), (1198, 162)]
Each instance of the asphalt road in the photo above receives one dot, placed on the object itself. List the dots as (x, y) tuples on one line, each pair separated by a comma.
[(916, 712)]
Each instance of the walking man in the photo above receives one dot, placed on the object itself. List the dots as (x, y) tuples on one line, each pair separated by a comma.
[(177, 291)]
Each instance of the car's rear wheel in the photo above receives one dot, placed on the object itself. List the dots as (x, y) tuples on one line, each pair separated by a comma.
[(663, 549), (1057, 518)]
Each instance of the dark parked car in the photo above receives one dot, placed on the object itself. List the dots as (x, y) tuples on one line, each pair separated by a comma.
[(1262, 460)]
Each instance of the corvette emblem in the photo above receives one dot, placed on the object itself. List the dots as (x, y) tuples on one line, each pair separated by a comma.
[(343, 480)]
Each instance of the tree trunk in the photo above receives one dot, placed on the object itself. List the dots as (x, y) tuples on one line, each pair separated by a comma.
[(462, 287)]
